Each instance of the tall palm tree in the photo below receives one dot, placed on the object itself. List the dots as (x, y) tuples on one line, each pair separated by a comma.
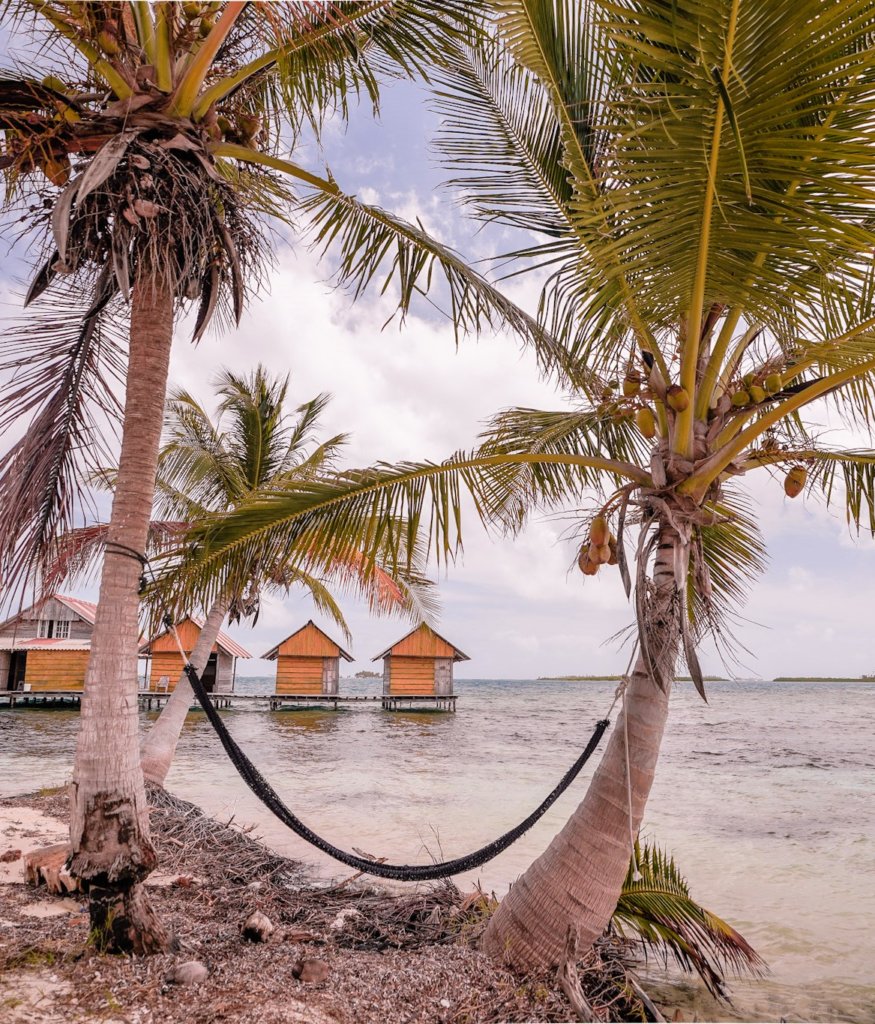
[(696, 180), (207, 466), (146, 157)]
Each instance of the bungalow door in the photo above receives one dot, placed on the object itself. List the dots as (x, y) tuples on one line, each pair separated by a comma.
[(443, 677), (208, 676), (330, 675), (17, 667)]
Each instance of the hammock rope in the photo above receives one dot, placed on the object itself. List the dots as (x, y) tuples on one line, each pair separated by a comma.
[(274, 803)]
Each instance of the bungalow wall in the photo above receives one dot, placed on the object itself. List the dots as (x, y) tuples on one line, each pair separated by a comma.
[(297, 674), (425, 676), (170, 664), (55, 670)]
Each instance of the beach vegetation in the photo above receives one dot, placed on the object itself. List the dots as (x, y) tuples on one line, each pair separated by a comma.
[(693, 183)]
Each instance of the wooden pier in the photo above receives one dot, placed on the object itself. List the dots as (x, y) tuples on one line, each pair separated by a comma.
[(34, 698), (149, 700)]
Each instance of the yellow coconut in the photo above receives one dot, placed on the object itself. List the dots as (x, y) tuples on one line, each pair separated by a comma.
[(677, 398), (794, 482), (756, 393), (631, 385), (740, 398), (773, 383), (107, 39), (598, 532), (646, 422)]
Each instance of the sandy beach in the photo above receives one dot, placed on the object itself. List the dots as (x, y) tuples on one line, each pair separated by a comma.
[(336, 952)]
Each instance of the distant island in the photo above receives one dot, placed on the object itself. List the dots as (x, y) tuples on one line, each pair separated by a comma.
[(614, 679), (823, 679), (368, 675)]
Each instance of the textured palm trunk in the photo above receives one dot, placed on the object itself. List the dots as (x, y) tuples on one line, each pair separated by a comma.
[(576, 882), (109, 828), (160, 743)]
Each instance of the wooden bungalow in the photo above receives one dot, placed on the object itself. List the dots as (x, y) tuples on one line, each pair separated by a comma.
[(166, 662), (420, 664), (46, 647), (307, 662)]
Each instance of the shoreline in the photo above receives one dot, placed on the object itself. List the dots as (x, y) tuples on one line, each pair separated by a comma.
[(375, 955)]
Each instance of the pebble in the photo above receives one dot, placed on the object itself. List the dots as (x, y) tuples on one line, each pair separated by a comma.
[(345, 915), (192, 972)]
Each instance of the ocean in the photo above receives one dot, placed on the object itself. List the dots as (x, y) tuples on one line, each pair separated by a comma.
[(764, 795)]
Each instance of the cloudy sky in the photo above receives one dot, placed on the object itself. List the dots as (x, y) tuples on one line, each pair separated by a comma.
[(514, 606)]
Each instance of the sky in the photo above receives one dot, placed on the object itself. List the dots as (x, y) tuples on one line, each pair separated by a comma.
[(517, 606)]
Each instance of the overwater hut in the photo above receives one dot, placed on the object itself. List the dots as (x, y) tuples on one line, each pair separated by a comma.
[(46, 646), (420, 664), (307, 662), (166, 662)]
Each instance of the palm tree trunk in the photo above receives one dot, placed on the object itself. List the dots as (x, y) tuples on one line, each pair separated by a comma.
[(160, 743), (576, 882), (109, 827)]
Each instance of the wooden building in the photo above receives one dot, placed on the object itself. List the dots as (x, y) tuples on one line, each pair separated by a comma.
[(166, 662), (46, 646), (307, 662), (420, 664)]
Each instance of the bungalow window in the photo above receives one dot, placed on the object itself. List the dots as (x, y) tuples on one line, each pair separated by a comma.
[(58, 628)]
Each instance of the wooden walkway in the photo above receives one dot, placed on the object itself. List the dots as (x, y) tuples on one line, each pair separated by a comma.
[(149, 700)]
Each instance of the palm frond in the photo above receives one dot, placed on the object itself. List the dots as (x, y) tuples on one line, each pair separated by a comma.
[(62, 371), (657, 908)]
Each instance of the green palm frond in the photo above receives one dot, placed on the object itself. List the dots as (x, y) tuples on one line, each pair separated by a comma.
[(727, 557), (848, 478), (658, 910)]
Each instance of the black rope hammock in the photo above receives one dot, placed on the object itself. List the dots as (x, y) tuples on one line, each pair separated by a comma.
[(273, 802), (400, 872)]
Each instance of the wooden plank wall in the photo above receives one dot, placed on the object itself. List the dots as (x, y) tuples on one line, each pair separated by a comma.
[(165, 663), (188, 634), (309, 642), (411, 675), (298, 675), (423, 643), (55, 670)]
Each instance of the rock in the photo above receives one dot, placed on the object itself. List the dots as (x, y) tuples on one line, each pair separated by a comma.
[(192, 972), (340, 922), (9, 856), (257, 927), (312, 972)]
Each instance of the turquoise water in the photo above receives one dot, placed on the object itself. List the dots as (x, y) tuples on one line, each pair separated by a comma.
[(764, 795)]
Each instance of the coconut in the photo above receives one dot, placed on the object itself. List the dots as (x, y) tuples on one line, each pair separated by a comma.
[(773, 383), (677, 398), (740, 398), (107, 39), (756, 393), (598, 532), (794, 482), (748, 379), (646, 421), (631, 385), (612, 544)]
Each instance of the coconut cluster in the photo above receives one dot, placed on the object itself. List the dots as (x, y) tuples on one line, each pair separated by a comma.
[(754, 388), (599, 549)]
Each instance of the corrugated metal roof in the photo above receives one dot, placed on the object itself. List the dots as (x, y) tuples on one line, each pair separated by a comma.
[(45, 644), (87, 609), (228, 645)]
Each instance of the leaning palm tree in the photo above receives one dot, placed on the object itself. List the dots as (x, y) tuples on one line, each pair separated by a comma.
[(696, 180), (145, 158)]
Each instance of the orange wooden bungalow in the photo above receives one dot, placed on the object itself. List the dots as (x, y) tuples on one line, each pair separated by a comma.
[(46, 647), (420, 664), (167, 664), (307, 662)]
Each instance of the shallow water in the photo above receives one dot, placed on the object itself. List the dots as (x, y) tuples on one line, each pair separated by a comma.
[(764, 795)]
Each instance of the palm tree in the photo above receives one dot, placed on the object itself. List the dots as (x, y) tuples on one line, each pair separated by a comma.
[(696, 182), (146, 157), (207, 466)]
